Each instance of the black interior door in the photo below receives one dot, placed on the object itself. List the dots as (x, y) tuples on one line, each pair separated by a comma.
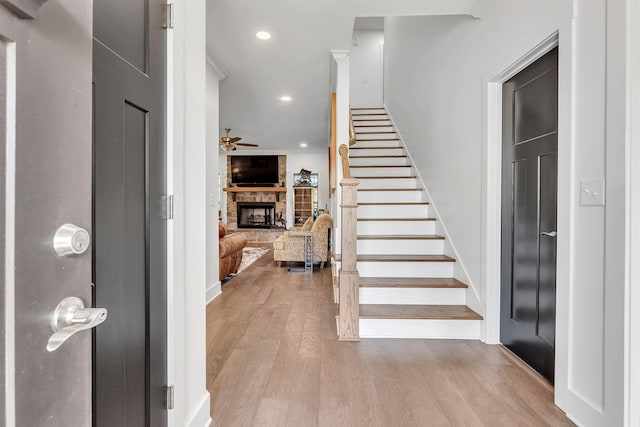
[(529, 192), (129, 178)]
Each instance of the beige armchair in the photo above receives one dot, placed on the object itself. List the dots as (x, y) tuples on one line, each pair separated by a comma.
[(291, 247)]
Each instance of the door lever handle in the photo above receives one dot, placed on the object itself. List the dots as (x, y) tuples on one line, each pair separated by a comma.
[(549, 233), (71, 317)]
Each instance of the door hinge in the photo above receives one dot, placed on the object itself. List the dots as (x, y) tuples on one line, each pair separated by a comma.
[(168, 16), (170, 206), (170, 398)]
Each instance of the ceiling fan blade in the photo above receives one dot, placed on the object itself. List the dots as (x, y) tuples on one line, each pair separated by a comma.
[(234, 139), (244, 144)]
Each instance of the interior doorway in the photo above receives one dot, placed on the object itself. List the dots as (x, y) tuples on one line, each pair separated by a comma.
[(529, 211)]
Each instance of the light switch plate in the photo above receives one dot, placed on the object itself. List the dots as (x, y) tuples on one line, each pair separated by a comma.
[(592, 192)]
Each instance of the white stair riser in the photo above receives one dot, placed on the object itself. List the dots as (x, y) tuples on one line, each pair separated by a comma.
[(376, 144), (368, 228), (420, 328), (405, 269), (378, 161), (366, 122), (392, 247), (393, 211), (368, 115), (397, 151), (381, 127), (380, 171), (416, 296), (388, 183), (366, 136), (390, 196), (367, 109)]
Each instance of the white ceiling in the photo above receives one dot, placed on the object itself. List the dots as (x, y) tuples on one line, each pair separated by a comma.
[(295, 62)]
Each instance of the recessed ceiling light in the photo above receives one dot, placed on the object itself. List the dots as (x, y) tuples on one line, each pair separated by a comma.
[(285, 98), (263, 35), (303, 144)]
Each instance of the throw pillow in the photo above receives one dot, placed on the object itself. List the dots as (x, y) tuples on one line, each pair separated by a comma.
[(308, 224)]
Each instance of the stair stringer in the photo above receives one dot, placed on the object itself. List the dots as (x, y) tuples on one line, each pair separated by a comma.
[(472, 297)]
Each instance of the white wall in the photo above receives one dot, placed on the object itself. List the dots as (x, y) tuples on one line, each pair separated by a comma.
[(214, 75), (365, 85), (437, 71), (187, 242)]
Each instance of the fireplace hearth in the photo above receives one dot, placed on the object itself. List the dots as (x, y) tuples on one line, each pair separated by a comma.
[(256, 215)]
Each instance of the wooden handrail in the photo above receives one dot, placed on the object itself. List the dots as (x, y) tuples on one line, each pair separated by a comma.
[(344, 155), (352, 130)]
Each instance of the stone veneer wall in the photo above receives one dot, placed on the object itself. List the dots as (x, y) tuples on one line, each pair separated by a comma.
[(257, 196)]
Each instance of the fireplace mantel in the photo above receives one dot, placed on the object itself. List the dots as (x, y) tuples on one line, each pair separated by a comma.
[(234, 190)]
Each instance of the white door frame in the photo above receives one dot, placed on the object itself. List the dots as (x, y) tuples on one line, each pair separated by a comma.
[(494, 182), (632, 249)]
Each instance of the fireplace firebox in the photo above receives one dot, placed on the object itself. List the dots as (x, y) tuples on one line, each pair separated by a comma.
[(256, 215)]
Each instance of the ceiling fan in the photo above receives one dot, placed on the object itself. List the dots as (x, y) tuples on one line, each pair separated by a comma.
[(228, 143)]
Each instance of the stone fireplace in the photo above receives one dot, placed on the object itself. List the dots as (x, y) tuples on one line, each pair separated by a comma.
[(277, 213), (256, 198), (256, 214)]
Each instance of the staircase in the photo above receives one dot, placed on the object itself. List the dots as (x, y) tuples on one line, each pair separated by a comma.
[(407, 289)]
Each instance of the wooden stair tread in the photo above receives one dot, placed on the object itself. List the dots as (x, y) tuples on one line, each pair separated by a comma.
[(442, 312), (400, 237), (374, 132), (364, 108), (391, 203), (371, 120), (380, 166), (371, 126), (389, 189), (375, 148), (372, 114), (402, 258), (411, 282), (378, 157), (396, 219), (378, 139), (385, 177)]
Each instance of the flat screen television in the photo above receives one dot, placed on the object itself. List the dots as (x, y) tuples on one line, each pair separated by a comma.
[(254, 170)]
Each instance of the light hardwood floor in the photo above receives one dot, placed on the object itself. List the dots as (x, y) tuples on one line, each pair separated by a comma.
[(273, 360)]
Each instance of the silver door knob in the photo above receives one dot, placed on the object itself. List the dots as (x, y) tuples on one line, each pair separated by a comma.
[(549, 233), (70, 317), (71, 240)]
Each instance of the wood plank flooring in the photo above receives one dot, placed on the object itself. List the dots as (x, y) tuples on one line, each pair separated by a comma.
[(273, 359)]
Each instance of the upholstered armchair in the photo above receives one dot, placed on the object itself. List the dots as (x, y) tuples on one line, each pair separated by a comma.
[(290, 246)]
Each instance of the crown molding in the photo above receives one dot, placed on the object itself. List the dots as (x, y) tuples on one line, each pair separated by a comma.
[(340, 55), (23, 9), (217, 70)]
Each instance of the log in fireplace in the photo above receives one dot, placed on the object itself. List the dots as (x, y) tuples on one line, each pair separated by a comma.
[(256, 215)]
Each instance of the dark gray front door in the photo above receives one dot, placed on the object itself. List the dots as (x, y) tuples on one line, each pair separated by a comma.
[(45, 182), (129, 61), (529, 191)]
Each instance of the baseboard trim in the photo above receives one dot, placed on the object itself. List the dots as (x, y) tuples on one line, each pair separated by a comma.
[(202, 417), (213, 290)]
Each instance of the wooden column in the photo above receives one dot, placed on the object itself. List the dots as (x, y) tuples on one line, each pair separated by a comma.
[(349, 278)]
